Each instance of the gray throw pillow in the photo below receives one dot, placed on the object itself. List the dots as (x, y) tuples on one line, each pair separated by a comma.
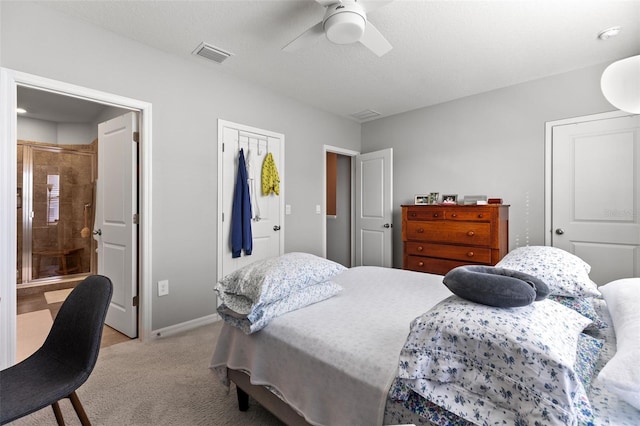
[(488, 285)]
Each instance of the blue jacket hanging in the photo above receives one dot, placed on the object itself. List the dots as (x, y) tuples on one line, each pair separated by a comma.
[(241, 237)]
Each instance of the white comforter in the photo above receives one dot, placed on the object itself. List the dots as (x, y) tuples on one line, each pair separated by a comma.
[(334, 361)]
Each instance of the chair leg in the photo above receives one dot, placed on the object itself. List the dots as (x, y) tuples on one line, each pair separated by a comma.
[(58, 413), (75, 401)]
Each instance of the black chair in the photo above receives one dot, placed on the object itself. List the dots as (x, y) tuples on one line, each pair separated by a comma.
[(64, 361)]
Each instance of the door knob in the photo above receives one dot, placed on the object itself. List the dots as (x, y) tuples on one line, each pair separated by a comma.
[(387, 225), (276, 227), (559, 231), (97, 232)]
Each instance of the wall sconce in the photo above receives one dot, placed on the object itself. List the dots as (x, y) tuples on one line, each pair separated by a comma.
[(620, 84)]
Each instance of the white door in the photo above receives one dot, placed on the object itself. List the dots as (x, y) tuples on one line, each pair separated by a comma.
[(374, 208), (267, 223), (115, 227), (596, 195)]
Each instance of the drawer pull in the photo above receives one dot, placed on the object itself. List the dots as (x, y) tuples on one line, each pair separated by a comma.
[(470, 254), (435, 215), (419, 248), (420, 230), (454, 215), (421, 263), (413, 214), (480, 215), (471, 233)]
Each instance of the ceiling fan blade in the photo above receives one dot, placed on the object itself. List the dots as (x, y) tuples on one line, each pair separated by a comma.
[(371, 5), (375, 41), (306, 38), (325, 3)]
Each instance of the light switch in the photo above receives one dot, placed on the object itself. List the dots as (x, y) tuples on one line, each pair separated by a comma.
[(287, 209), (318, 209)]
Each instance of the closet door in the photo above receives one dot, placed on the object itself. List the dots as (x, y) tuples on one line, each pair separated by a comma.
[(596, 195), (374, 208), (268, 210)]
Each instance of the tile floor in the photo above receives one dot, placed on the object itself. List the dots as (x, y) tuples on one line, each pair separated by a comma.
[(37, 307)]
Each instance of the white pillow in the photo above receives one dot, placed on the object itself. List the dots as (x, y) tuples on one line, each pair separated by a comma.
[(621, 375), (267, 281), (565, 273)]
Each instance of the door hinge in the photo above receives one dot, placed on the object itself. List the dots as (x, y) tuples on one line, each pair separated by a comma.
[(135, 218), (222, 146), (136, 136), (135, 301), (223, 216)]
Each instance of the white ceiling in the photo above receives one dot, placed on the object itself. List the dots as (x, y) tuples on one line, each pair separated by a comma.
[(442, 50)]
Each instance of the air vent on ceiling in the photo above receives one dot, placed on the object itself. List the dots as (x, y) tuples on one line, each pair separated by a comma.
[(365, 115), (212, 53)]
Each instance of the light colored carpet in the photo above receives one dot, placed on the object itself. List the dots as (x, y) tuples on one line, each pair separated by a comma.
[(57, 296), (164, 382), (32, 329)]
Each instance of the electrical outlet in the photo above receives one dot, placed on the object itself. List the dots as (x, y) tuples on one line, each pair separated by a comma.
[(163, 287)]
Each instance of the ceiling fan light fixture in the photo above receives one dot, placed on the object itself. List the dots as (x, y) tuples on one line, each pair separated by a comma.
[(620, 84), (345, 27)]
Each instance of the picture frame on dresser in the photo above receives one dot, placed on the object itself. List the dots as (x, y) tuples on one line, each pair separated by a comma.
[(421, 200), (449, 198), (433, 197)]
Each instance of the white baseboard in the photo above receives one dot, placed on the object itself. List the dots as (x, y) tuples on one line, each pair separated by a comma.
[(185, 326)]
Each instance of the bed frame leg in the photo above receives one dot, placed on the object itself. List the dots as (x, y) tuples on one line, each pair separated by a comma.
[(243, 399)]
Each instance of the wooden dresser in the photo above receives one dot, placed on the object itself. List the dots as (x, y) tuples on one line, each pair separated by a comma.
[(438, 238)]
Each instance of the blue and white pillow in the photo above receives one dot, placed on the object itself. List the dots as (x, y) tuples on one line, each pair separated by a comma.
[(565, 273)]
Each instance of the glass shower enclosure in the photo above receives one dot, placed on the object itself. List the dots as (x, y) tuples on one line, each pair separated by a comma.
[(55, 197)]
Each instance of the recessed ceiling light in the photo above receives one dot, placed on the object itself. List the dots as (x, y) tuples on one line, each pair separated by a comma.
[(609, 32), (21, 110)]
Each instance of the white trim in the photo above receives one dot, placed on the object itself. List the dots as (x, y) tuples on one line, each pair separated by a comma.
[(10, 79), (548, 141), (8, 222), (185, 326), (352, 154)]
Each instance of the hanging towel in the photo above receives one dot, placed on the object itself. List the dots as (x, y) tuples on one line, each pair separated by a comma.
[(253, 187), (241, 237), (270, 178)]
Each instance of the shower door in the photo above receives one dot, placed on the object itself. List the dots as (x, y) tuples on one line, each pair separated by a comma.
[(55, 212)]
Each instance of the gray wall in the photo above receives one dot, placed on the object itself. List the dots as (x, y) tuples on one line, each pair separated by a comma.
[(491, 144), (187, 97)]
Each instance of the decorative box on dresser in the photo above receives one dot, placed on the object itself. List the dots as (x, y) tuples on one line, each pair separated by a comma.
[(438, 238)]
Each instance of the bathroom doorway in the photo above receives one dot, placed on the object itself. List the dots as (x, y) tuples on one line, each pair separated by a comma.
[(10, 81), (56, 173), (57, 162)]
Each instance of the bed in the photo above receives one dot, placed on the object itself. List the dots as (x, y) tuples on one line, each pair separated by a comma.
[(346, 354)]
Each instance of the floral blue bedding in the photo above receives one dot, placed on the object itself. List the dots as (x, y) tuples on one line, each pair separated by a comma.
[(497, 366)]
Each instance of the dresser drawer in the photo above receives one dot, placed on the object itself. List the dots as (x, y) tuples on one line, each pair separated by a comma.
[(467, 214), (445, 251), (432, 265), (429, 213), (468, 233)]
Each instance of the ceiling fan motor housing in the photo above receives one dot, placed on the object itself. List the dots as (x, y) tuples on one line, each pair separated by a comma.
[(344, 23)]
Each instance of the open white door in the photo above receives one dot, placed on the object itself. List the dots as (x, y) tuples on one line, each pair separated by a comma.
[(374, 209), (596, 195), (115, 227), (268, 210)]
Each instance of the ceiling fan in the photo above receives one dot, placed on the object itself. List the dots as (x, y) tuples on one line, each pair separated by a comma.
[(345, 22)]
